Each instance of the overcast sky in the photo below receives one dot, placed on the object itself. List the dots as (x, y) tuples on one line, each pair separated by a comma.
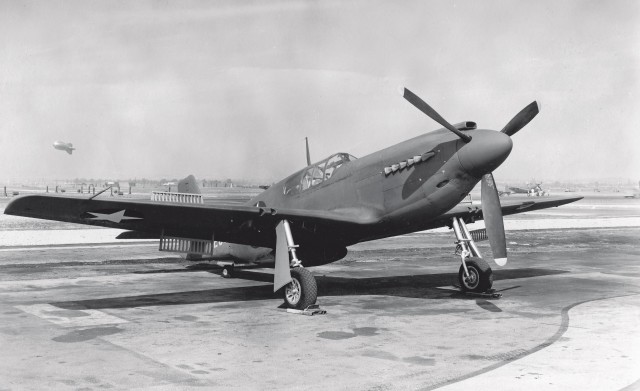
[(221, 89)]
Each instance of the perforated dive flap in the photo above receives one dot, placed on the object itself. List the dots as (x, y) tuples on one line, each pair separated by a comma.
[(186, 245), (179, 198), (479, 234)]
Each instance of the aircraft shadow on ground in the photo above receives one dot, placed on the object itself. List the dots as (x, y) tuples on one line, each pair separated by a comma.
[(414, 286)]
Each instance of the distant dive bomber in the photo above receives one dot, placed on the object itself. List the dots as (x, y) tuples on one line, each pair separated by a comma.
[(61, 145), (327, 206)]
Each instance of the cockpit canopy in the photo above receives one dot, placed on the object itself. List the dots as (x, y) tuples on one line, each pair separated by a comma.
[(316, 174)]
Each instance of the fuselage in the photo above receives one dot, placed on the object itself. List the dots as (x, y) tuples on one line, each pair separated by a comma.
[(62, 146), (407, 199)]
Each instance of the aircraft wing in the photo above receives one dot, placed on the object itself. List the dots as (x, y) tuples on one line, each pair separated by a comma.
[(509, 207), (240, 224), (518, 190)]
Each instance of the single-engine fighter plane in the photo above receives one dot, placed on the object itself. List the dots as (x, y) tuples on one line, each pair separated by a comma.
[(62, 146), (532, 190), (310, 217), (504, 192)]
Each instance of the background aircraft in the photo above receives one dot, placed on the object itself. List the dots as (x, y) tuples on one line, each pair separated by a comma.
[(61, 145), (310, 217), (635, 194), (504, 192), (534, 189)]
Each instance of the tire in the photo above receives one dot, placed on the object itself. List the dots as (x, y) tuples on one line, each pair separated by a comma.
[(227, 272), (302, 291), (480, 276)]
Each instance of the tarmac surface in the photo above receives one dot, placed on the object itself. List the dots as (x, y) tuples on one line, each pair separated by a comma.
[(95, 316)]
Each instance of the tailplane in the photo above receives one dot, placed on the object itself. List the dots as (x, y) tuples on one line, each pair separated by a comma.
[(195, 248), (188, 185)]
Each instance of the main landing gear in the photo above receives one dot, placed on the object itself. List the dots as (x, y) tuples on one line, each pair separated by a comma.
[(227, 271), (302, 291), (474, 275)]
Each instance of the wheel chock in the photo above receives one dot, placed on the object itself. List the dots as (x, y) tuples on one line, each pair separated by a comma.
[(313, 309), (490, 294)]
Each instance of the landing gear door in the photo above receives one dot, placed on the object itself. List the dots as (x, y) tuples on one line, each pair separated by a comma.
[(282, 274)]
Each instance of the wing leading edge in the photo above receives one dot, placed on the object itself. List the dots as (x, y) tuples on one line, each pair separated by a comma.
[(509, 207)]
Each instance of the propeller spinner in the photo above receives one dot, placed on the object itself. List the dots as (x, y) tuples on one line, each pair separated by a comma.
[(491, 208)]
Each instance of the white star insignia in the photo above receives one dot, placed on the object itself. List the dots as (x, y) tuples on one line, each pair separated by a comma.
[(116, 217)]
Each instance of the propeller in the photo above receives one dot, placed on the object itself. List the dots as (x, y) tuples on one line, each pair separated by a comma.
[(431, 113), (491, 208), (521, 119), (492, 213)]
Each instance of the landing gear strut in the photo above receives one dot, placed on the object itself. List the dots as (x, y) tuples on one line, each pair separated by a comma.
[(474, 275), (302, 291)]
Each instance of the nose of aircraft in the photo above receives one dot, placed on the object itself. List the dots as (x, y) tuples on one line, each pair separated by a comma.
[(485, 152)]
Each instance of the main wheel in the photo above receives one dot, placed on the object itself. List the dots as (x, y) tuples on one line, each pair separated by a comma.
[(480, 276), (302, 291), (227, 271)]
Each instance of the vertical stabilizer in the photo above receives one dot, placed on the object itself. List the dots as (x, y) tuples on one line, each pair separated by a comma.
[(188, 185)]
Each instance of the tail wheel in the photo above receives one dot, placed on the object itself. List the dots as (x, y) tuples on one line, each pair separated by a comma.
[(302, 291), (480, 276)]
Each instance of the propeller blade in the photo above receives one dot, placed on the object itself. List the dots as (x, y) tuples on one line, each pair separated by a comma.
[(308, 156), (493, 219), (431, 113), (522, 119)]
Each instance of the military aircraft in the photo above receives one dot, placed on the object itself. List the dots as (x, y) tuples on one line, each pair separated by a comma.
[(504, 192), (534, 189), (61, 145), (635, 194), (313, 215)]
